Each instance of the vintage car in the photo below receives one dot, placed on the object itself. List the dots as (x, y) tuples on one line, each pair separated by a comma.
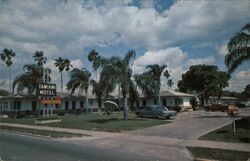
[(155, 111)]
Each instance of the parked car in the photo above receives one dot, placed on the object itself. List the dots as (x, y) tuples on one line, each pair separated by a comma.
[(155, 111), (216, 107)]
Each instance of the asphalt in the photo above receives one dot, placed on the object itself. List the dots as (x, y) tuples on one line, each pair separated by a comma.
[(164, 142)]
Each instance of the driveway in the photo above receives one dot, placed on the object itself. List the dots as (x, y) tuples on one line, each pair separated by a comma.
[(188, 125)]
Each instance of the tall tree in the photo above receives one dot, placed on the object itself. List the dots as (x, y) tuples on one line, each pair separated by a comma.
[(238, 49), (156, 71), (39, 58), (29, 79), (117, 70), (98, 88), (62, 64), (6, 57), (206, 80), (170, 83), (96, 61), (246, 91), (79, 79), (33, 73)]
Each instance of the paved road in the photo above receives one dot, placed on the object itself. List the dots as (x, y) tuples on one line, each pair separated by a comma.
[(14, 147)]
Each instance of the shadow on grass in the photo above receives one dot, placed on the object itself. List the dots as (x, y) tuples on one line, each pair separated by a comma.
[(103, 121), (222, 131), (245, 140), (213, 117)]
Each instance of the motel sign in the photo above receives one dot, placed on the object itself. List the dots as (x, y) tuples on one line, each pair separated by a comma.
[(46, 89)]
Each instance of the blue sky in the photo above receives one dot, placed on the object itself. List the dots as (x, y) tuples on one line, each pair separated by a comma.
[(172, 32)]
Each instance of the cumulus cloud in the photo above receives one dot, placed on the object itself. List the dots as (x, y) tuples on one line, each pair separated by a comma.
[(244, 74), (65, 28), (210, 60), (173, 57), (222, 50)]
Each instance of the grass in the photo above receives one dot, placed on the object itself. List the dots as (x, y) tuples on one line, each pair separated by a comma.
[(218, 154), (226, 134), (53, 134), (95, 121)]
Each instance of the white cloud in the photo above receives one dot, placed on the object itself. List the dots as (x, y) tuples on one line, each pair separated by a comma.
[(65, 28), (222, 50), (77, 63), (210, 60), (244, 74), (173, 57)]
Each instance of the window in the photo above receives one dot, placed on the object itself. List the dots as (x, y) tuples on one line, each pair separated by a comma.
[(17, 105), (90, 102), (66, 105), (164, 102), (178, 101), (73, 105), (5, 105)]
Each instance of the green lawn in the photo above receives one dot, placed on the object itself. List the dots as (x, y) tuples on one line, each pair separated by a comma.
[(53, 134), (95, 121), (217, 154), (226, 134)]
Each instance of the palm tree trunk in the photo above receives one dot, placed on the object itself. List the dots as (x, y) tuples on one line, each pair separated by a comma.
[(61, 82), (159, 97), (87, 101), (10, 80), (125, 108), (119, 97)]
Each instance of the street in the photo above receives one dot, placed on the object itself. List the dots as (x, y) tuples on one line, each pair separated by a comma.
[(15, 147)]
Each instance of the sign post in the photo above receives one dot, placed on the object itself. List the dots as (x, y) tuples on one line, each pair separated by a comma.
[(46, 93), (233, 111)]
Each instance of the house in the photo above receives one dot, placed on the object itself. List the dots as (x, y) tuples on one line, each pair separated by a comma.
[(222, 100), (18, 102), (170, 99), (63, 101)]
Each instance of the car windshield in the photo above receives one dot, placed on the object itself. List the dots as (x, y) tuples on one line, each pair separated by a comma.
[(161, 108)]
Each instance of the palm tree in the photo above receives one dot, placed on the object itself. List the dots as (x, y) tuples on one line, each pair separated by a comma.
[(79, 79), (156, 71), (170, 83), (62, 64), (117, 71), (29, 79), (40, 58), (98, 90), (6, 56), (238, 49), (33, 74), (146, 83), (95, 59)]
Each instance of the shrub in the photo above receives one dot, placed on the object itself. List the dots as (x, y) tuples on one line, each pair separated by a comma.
[(61, 113), (193, 103), (78, 111), (27, 112)]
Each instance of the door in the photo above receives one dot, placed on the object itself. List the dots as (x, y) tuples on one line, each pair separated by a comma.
[(73, 105), (66, 105), (34, 106)]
